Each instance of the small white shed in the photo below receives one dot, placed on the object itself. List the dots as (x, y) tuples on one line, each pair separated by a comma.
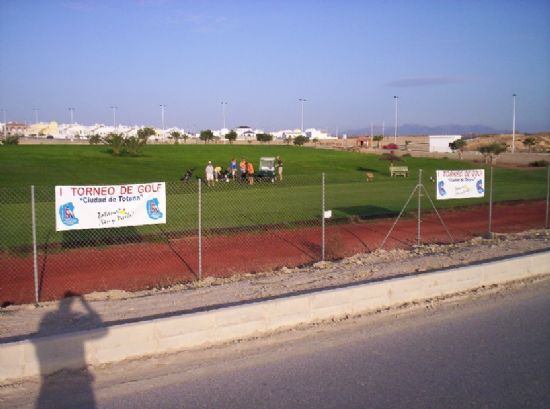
[(440, 143)]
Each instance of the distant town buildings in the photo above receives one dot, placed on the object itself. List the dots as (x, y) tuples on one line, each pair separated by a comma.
[(53, 130)]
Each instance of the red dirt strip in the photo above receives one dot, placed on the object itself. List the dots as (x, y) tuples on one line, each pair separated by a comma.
[(139, 266)]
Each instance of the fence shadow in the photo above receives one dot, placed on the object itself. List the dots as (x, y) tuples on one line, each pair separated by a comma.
[(365, 212), (100, 237), (70, 387)]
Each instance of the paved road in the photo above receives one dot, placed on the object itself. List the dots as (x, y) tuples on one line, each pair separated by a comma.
[(492, 352)]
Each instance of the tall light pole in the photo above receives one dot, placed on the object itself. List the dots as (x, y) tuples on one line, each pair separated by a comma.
[(71, 111), (224, 104), (302, 100), (35, 110), (114, 108), (5, 123), (383, 129), (514, 124), (162, 107), (395, 97)]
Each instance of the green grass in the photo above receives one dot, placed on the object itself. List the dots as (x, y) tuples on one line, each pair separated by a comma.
[(225, 206)]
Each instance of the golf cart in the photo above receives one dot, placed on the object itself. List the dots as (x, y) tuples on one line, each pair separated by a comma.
[(266, 170)]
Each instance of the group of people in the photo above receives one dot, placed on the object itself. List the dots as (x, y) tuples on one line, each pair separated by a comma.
[(246, 169)]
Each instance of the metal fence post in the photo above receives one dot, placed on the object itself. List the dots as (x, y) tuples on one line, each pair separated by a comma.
[(323, 217), (418, 235), (490, 233), (547, 196), (200, 228), (34, 247)]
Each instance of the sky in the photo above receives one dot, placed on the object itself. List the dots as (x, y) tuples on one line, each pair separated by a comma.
[(449, 62)]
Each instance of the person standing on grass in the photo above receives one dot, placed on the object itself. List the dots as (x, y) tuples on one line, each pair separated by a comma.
[(233, 168), (250, 172), (280, 168), (242, 166), (217, 171), (209, 171)]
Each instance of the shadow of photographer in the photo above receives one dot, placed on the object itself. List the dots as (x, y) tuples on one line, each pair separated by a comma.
[(70, 386)]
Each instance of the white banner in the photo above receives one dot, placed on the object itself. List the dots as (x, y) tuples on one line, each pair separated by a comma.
[(460, 184), (98, 207)]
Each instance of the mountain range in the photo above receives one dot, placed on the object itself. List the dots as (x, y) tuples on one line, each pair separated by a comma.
[(416, 129)]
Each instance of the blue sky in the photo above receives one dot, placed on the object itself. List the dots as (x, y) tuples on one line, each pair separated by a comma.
[(450, 62)]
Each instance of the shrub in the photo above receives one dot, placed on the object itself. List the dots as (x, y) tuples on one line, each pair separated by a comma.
[(95, 139), (539, 163), (11, 140)]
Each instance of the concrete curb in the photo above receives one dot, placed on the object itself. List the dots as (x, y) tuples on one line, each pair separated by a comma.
[(46, 355)]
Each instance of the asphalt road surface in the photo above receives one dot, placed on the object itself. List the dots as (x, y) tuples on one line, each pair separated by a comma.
[(488, 352)]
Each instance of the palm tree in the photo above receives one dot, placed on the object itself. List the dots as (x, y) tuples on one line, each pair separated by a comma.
[(176, 136), (530, 141)]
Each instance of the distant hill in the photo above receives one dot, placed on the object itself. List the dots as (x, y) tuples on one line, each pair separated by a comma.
[(415, 129)]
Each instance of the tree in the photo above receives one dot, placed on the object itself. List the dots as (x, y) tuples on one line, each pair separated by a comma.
[(95, 139), (377, 139), (530, 141), (115, 142), (390, 157), (459, 146), (206, 135), (407, 143), (491, 151), (133, 145), (264, 137), (300, 140), (231, 136), (288, 139), (175, 135), (184, 136), (145, 133)]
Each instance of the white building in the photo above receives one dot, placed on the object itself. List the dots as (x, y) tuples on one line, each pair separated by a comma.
[(440, 143), (245, 133), (318, 134)]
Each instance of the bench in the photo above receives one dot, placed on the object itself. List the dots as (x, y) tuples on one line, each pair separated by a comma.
[(399, 171)]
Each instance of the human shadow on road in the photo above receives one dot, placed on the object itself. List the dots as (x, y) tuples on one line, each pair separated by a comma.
[(69, 385)]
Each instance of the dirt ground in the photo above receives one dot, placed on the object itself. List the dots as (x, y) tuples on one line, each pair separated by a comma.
[(116, 307)]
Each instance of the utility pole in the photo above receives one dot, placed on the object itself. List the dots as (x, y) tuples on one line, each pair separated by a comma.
[(514, 124), (395, 97), (71, 111), (224, 104), (114, 108), (162, 107), (302, 100)]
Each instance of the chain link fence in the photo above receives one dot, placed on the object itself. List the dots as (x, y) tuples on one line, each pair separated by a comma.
[(222, 230)]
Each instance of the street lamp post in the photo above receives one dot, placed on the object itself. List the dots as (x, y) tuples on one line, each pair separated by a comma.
[(35, 110), (514, 124), (395, 97), (224, 104), (114, 108), (71, 111), (5, 123), (162, 107), (302, 100)]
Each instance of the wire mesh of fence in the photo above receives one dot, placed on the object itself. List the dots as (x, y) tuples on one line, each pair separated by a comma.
[(226, 228), (244, 228)]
